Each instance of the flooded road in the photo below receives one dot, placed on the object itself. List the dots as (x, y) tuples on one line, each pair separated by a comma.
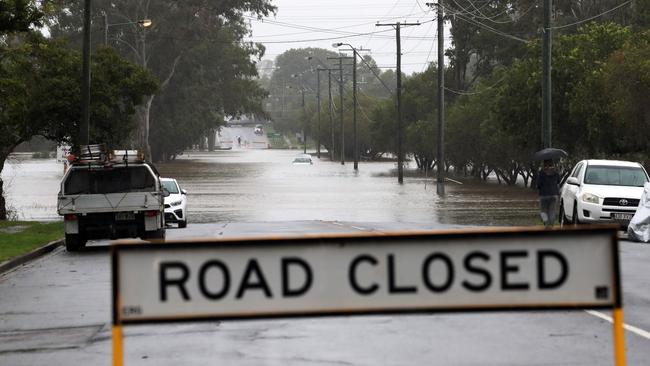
[(245, 185), (31, 187)]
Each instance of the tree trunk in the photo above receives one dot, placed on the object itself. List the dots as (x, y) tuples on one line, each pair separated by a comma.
[(143, 112), (4, 153), (3, 208)]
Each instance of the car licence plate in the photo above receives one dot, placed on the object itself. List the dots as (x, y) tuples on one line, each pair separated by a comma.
[(622, 216), (124, 216)]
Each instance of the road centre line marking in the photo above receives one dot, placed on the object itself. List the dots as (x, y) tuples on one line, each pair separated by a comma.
[(358, 228), (633, 329)]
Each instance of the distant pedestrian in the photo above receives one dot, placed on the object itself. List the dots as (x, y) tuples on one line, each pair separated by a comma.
[(548, 181)]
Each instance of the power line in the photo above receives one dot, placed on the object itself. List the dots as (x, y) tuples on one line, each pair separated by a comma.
[(493, 30), (461, 92), (593, 17)]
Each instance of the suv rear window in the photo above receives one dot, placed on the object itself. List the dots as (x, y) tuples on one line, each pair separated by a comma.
[(615, 176), (114, 180)]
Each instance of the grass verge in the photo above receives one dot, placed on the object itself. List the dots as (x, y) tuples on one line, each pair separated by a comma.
[(20, 237)]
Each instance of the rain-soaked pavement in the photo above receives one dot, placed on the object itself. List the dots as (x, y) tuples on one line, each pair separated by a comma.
[(246, 185)]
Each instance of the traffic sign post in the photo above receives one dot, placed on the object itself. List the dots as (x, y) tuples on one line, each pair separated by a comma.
[(369, 273)]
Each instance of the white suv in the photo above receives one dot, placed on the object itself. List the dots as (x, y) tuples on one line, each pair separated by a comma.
[(175, 202), (602, 191)]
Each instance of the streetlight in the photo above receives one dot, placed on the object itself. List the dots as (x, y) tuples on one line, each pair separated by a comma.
[(355, 149), (144, 23)]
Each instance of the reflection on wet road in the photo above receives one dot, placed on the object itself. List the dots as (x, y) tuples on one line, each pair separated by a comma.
[(243, 185)]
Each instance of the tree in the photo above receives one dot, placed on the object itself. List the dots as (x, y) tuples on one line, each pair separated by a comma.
[(19, 15), (178, 28), (627, 80), (295, 73), (40, 94), (215, 80)]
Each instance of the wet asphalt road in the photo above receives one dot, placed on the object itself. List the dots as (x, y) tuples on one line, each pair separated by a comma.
[(56, 310)]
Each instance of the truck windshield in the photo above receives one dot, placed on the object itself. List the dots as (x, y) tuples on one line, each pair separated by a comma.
[(114, 180)]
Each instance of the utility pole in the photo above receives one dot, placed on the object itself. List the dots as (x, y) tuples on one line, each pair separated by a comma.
[(341, 58), (304, 112), (318, 102), (304, 122), (546, 82), (105, 16), (400, 157), (341, 110), (329, 75), (440, 180), (355, 149), (84, 125), (329, 86)]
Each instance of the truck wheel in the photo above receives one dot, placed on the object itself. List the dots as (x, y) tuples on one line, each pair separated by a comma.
[(74, 242)]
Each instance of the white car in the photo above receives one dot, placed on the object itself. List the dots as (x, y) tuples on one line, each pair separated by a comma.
[(602, 191), (175, 203), (258, 130), (303, 159)]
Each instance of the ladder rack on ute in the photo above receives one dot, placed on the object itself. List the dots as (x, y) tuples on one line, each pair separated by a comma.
[(99, 155)]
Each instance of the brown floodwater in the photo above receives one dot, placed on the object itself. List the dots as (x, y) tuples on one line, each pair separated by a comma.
[(263, 185)]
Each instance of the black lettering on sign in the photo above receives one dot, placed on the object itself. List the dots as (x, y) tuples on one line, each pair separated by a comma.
[(225, 283), (253, 270), (543, 283), (131, 310), (472, 268), (298, 263), (393, 288), (426, 271), (507, 267), (353, 277), (178, 281)]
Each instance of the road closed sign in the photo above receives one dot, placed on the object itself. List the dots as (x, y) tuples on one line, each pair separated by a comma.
[(365, 274)]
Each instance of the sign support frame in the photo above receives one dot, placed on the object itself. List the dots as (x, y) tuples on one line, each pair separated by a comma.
[(618, 331)]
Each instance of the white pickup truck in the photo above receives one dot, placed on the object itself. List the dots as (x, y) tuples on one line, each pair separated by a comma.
[(114, 195)]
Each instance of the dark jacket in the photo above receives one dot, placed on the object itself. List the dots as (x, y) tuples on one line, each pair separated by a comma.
[(547, 183)]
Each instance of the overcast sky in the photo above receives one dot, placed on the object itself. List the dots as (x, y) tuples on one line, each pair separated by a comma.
[(310, 23)]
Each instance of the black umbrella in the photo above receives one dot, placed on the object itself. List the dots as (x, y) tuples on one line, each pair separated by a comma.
[(549, 153)]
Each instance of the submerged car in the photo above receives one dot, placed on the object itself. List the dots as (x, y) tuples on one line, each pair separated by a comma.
[(258, 130), (602, 191), (303, 159), (175, 203)]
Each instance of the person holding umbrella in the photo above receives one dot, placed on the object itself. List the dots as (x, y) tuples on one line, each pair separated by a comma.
[(548, 181)]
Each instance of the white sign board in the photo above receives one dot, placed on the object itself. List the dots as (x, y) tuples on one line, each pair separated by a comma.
[(422, 272)]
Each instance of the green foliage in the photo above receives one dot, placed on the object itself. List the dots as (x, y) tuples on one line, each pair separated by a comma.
[(194, 49), (118, 86), (40, 94), (295, 73), (19, 15), (20, 237), (215, 79), (627, 77)]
